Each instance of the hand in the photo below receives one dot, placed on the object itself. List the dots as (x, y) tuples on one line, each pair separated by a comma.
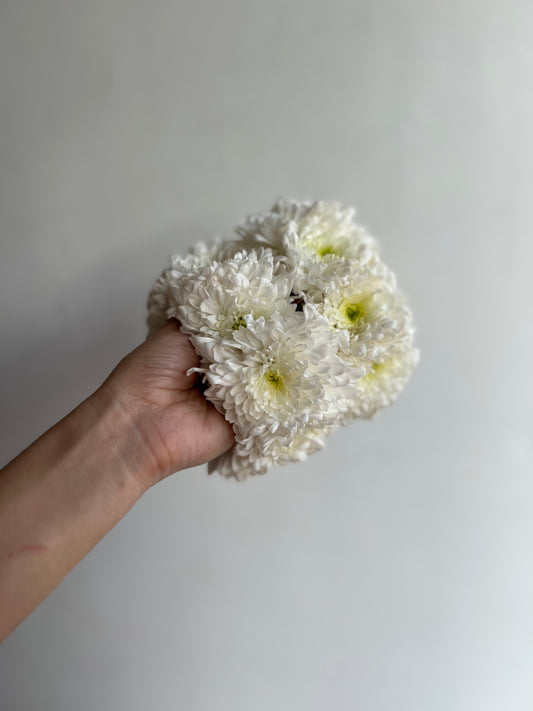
[(71, 486), (178, 426)]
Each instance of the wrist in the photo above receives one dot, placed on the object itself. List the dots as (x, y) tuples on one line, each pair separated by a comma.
[(125, 419)]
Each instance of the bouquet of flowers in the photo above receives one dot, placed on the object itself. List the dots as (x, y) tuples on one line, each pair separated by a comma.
[(299, 326)]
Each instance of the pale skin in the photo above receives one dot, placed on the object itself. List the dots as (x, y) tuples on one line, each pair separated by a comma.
[(62, 494)]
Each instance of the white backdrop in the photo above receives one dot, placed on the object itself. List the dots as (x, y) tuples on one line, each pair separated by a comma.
[(394, 569)]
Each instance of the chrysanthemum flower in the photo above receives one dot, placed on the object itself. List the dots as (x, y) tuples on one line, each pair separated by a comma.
[(161, 305), (317, 231), (366, 305), (275, 376), (215, 299), (383, 382), (299, 326), (253, 457)]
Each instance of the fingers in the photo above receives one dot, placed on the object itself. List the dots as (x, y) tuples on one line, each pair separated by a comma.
[(171, 325)]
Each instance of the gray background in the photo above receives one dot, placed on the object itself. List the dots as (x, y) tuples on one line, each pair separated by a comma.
[(394, 569)]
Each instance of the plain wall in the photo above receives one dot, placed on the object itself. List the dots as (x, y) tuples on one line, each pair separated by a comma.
[(393, 570)]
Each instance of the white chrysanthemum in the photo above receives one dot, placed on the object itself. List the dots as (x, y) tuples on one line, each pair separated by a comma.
[(316, 231), (383, 382), (253, 458), (316, 237), (160, 297), (215, 299), (198, 256), (275, 376), (239, 463), (299, 327), (366, 306), (305, 442), (158, 301), (312, 280)]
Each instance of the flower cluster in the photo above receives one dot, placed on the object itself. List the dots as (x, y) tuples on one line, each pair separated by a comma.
[(299, 325)]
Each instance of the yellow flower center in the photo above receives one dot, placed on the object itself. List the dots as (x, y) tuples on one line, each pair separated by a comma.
[(274, 380), (238, 321), (377, 369), (325, 245), (356, 312), (328, 250)]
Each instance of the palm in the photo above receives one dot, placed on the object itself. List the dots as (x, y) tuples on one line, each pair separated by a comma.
[(180, 427)]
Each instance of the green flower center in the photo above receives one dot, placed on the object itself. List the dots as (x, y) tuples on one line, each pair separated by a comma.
[(237, 322), (376, 370), (274, 380), (354, 313), (328, 250)]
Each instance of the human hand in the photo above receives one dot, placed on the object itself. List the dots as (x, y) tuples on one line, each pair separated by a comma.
[(63, 493), (177, 426)]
